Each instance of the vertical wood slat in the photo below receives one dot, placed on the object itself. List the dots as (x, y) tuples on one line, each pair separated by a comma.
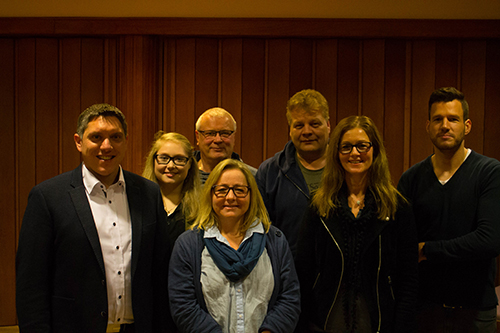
[(8, 225), (394, 105), (372, 81), (492, 101), (252, 101), (185, 116), (277, 94), (301, 65), (423, 83), (47, 107), (348, 78), (206, 76), (230, 82), (70, 72), (473, 86), (326, 74)]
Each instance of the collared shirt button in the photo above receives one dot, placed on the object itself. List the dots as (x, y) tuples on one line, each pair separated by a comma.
[(120, 297), (119, 272), (109, 201), (104, 314), (114, 224), (118, 247)]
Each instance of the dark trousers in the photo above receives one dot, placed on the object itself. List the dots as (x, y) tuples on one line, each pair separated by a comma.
[(435, 318), (127, 328)]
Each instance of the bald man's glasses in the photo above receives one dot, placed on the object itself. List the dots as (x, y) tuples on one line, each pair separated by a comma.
[(212, 134)]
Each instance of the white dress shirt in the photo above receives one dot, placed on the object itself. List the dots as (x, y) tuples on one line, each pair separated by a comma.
[(112, 219)]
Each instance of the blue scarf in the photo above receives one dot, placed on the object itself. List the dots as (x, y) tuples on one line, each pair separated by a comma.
[(236, 264)]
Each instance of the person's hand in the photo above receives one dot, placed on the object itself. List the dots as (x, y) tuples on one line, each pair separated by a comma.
[(421, 255)]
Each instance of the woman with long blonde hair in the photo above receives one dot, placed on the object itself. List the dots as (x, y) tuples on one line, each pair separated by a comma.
[(170, 163)]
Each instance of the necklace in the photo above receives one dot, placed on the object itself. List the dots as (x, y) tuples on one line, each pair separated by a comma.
[(171, 210)]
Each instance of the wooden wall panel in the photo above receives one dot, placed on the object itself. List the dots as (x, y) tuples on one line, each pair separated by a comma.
[(8, 229), (447, 63), (253, 101), (138, 87), (326, 74), (278, 92), (473, 85), (185, 88), (46, 109), (372, 81), (394, 105), (207, 72), (70, 107), (230, 86), (25, 121), (166, 82), (348, 88), (422, 85), (491, 131), (301, 65)]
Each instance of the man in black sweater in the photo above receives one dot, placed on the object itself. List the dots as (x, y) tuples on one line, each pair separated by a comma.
[(455, 195)]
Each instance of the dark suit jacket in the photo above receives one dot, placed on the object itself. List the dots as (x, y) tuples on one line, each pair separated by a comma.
[(60, 283)]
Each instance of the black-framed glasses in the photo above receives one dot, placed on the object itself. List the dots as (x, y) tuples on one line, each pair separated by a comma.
[(221, 191), (212, 134), (362, 147), (165, 159)]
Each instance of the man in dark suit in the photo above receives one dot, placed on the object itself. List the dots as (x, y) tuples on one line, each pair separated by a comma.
[(88, 246)]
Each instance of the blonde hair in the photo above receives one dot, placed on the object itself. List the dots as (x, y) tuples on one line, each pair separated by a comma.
[(308, 100), (191, 186), (257, 210), (325, 200)]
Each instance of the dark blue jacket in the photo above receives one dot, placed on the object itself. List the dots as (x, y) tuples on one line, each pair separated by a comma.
[(186, 297), (285, 192)]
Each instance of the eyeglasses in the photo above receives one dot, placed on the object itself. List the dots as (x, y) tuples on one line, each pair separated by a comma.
[(165, 159), (221, 191), (362, 147), (212, 134)]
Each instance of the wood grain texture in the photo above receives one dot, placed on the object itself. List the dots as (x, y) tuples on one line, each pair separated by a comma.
[(163, 73)]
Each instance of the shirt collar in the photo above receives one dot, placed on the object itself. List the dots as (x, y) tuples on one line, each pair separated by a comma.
[(91, 182), (213, 232)]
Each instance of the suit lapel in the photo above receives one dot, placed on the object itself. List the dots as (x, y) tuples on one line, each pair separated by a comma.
[(82, 207), (135, 205)]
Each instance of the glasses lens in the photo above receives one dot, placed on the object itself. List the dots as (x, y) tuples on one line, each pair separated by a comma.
[(209, 134), (240, 191), (345, 149), (225, 134), (363, 147), (220, 191), (162, 159), (180, 160)]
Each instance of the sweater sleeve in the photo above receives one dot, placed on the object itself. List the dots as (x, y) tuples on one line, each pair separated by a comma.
[(187, 312), (484, 240), (282, 316)]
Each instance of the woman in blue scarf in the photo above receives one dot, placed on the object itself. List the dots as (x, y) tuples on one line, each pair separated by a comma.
[(233, 272)]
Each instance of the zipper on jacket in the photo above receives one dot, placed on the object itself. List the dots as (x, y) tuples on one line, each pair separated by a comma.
[(297, 186), (341, 273), (390, 287), (378, 279)]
